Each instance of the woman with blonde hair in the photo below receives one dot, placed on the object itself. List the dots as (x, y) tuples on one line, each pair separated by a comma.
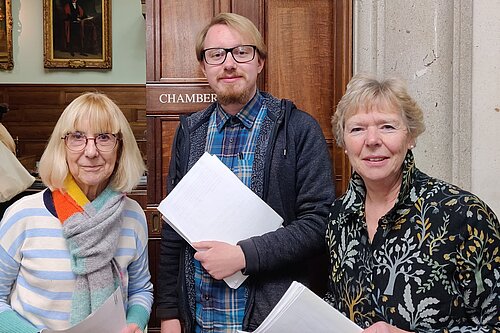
[(65, 250)]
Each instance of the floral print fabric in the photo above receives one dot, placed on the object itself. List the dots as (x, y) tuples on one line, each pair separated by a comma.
[(432, 266)]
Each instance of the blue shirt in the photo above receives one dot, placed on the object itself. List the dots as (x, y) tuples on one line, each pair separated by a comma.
[(233, 140)]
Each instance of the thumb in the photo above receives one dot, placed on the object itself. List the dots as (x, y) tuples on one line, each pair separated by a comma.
[(203, 245)]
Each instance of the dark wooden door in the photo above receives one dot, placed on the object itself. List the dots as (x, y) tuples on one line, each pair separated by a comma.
[(309, 62)]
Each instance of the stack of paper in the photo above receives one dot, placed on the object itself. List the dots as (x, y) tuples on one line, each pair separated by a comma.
[(211, 203), (300, 310)]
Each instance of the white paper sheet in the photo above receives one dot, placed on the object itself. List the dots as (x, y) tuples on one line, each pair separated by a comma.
[(211, 203), (109, 318), (300, 310)]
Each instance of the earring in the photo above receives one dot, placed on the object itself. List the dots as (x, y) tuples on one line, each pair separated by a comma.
[(412, 146), (345, 151)]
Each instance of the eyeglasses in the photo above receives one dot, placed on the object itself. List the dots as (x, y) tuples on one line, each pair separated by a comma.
[(240, 53), (77, 141)]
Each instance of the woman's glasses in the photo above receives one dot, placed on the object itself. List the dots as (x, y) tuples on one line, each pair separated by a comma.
[(77, 141)]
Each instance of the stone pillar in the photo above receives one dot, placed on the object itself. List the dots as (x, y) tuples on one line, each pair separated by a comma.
[(427, 43), (486, 102)]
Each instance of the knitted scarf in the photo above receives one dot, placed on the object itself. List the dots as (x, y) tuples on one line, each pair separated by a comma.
[(91, 230)]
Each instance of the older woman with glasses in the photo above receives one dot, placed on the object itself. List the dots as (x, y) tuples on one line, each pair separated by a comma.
[(65, 250)]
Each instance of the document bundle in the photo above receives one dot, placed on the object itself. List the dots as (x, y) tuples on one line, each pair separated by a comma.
[(210, 203), (300, 310)]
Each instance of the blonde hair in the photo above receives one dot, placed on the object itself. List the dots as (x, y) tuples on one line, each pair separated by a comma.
[(239, 23), (365, 90), (105, 117)]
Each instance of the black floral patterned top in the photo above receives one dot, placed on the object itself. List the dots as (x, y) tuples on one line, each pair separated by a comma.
[(433, 264)]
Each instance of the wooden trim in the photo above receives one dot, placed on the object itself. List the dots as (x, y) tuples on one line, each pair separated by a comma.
[(343, 41)]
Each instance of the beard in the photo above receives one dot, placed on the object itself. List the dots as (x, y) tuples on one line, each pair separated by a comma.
[(232, 94)]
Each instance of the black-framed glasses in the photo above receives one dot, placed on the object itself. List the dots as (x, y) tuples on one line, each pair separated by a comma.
[(77, 141), (240, 53)]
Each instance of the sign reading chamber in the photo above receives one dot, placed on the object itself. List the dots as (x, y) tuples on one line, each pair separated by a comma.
[(178, 98), (187, 98)]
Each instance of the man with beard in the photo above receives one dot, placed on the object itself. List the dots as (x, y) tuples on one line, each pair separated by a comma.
[(277, 151)]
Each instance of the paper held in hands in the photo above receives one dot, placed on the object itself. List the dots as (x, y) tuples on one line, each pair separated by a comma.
[(300, 310), (210, 203), (109, 318)]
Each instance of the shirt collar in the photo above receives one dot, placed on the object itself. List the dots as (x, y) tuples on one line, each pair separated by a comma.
[(356, 192), (246, 115)]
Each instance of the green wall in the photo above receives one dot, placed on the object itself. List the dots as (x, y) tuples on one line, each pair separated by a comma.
[(128, 48)]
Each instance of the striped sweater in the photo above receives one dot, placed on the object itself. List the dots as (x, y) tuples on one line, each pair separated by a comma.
[(36, 281)]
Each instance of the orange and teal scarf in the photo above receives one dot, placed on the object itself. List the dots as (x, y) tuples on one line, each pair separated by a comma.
[(91, 230)]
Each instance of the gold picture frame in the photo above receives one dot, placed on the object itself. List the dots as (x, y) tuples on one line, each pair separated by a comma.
[(6, 57), (77, 34)]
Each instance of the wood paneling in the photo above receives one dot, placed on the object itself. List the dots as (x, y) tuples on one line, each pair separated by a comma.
[(160, 148), (154, 258), (35, 109), (173, 28), (309, 62), (300, 64), (253, 10)]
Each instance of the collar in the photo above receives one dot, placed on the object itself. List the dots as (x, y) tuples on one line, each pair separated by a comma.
[(246, 115), (356, 192)]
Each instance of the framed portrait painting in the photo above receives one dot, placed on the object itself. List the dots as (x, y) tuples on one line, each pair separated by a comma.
[(77, 33), (6, 58)]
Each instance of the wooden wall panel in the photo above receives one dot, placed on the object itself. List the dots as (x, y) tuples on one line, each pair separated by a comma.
[(178, 29), (35, 109), (309, 62), (342, 72), (253, 10), (300, 63), (154, 258), (160, 146), (168, 127)]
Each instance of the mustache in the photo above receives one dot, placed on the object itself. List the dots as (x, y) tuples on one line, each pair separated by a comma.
[(230, 73)]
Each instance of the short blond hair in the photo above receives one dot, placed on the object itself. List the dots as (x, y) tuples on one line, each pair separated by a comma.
[(237, 22), (365, 90), (105, 117)]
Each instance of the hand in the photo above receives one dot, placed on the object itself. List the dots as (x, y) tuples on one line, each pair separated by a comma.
[(131, 328), (219, 259), (383, 327), (171, 326)]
